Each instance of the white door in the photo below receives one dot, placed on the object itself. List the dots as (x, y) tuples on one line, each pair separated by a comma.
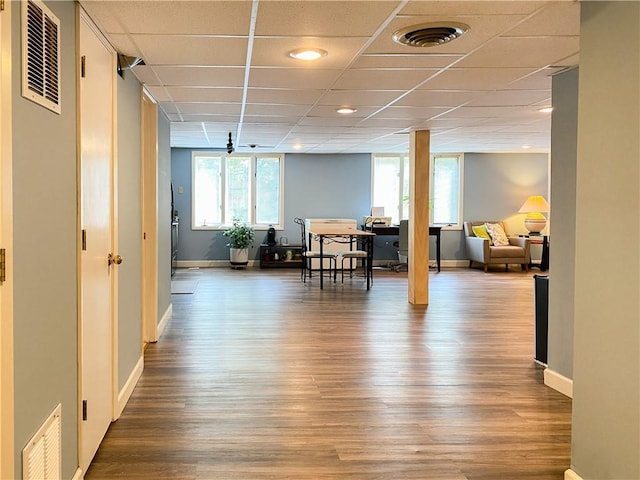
[(96, 84), (6, 286)]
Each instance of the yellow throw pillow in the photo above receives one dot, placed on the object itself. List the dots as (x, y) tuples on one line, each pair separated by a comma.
[(481, 231), (497, 233)]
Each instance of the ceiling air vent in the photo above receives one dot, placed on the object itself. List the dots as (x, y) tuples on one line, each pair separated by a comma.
[(429, 34), (40, 55)]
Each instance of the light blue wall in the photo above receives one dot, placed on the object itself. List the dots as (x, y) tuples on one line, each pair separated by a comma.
[(129, 227), (316, 186), (606, 347), (339, 186), (164, 215), (564, 163), (45, 251)]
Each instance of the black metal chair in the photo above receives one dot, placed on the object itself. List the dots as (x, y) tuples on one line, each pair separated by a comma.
[(309, 255), (351, 255)]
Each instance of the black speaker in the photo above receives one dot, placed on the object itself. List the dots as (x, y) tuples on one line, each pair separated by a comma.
[(271, 236)]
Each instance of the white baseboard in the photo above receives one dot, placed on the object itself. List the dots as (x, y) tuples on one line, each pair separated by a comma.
[(127, 390), (211, 264), (78, 475), (164, 320), (571, 475), (558, 382)]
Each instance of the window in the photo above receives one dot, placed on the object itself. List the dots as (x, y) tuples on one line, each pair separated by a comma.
[(246, 187), (445, 195), (391, 187)]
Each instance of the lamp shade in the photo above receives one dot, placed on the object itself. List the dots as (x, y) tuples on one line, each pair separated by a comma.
[(535, 221), (535, 203)]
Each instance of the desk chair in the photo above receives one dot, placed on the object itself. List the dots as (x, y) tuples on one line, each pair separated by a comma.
[(403, 246), (309, 255)]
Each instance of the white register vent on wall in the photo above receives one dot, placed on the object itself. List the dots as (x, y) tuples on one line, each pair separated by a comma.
[(42, 457), (40, 55)]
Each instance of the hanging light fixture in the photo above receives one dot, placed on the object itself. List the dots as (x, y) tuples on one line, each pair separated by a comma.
[(230, 145)]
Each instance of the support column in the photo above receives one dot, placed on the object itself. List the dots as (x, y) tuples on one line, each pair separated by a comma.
[(418, 275)]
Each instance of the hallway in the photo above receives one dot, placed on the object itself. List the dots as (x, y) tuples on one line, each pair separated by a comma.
[(259, 376)]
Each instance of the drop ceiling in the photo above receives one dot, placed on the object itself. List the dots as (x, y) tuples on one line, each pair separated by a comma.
[(216, 67)]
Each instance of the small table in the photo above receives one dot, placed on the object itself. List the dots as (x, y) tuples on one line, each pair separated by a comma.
[(344, 235), (544, 261), (434, 231)]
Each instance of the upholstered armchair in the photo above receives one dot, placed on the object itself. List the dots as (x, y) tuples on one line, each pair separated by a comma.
[(484, 249)]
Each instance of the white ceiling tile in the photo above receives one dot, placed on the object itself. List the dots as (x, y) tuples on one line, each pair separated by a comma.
[(202, 94), (192, 50), (292, 78), (195, 54), (280, 95), (418, 60), (437, 98), (382, 79), (276, 110), (524, 52), (475, 78), (209, 108), (360, 98), (555, 18), (323, 18), (202, 76), (419, 114), (511, 98)]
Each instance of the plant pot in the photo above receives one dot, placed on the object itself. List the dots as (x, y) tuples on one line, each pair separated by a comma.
[(239, 256)]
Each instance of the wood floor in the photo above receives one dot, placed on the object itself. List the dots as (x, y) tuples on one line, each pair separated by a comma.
[(259, 376)]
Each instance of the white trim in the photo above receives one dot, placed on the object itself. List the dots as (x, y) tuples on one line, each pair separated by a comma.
[(7, 410), (571, 475), (127, 390), (78, 475), (211, 264), (168, 314), (558, 382)]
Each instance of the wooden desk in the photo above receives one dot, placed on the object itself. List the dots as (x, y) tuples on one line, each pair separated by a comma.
[(434, 231), (344, 235)]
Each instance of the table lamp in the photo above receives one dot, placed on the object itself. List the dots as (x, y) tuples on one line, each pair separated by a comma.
[(535, 221)]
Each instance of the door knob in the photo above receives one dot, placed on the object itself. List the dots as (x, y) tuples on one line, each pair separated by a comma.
[(117, 259)]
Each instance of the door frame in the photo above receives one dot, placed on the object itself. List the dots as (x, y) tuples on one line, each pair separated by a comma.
[(149, 189), (83, 17), (6, 242)]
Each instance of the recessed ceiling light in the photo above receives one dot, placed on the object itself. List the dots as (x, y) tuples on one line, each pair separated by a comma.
[(297, 146), (308, 54), (346, 110), (546, 110), (526, 146)]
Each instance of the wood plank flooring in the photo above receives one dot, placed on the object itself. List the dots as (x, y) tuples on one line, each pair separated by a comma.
[(259, 376)]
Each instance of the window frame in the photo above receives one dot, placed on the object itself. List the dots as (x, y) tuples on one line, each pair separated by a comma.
[(432, 161), (404, 160), (226, 222)]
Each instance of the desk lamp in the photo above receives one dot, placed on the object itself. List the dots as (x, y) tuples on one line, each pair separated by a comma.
[(535, 221)]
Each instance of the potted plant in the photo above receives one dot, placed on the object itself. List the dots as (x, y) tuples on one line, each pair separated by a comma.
[(240, 239)]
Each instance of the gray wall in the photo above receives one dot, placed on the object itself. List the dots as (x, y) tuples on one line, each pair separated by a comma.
[(564, 130), (325, 186), (129, 227), (495, 187), (45, 264), (164, 215), (606, 369), (316, 186)]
